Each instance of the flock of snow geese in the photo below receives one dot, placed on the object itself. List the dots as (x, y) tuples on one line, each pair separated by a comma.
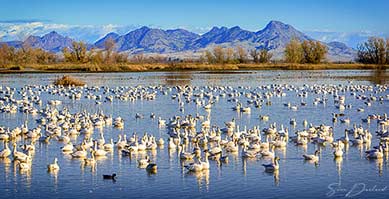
[(195, 139)]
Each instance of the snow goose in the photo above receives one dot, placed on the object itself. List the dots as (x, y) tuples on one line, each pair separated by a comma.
[(274, 166), (54, 166), (6, 151), (312, 157)]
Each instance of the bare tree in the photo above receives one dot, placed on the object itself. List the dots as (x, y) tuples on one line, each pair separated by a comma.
[(218, 53), (293, 52), (387, 50), (229, 56), (241, 55), (255, 55), (76, 54), (314, 51), (374, 51), (7, 55), (264, 56), (209, 57), (139, 58), (109, 46)]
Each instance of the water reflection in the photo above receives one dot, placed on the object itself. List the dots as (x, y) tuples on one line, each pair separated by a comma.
[(54, 175), (174, 78), (244, 166), (276, 176), (380, 165), (338, 161), (202, 179), (379, 76)]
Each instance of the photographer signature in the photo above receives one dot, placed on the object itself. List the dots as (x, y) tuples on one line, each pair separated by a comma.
[(355, 190)]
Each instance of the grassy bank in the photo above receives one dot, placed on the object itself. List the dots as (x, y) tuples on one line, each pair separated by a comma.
[(52, 68)]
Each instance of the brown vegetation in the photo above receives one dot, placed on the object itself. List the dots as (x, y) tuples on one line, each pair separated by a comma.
[(374, 51), (221, 55), (68, 81), (12, 57), (311, 52), (77, 58), (261, 56)]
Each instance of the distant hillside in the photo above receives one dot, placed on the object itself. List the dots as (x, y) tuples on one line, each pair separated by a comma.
[(147, 39), (52, 42), (273, 37)]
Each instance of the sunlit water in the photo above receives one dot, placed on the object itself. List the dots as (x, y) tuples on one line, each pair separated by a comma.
[(240, 178)]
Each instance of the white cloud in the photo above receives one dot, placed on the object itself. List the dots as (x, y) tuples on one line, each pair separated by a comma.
[(20, 30), (88, 33), (351, 39)]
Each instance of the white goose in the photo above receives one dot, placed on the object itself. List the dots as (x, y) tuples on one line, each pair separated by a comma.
[(274, 166), (109, 146), (205, 164), (161, 142), (54, 166), (232, 147), (268, 153), (185, 155), (121, 144), (312, 157), (281, 142), (248, 153), (152, 144), (90, 161), (101, 141), (20, 155), (99, 152), (80, 154), (375, 153), (338, 152), (161, 122), (142, 163), (68, 147), (24, 166), (171, 144), (194, 167), (345, 139), (216, 150), (6, 151)]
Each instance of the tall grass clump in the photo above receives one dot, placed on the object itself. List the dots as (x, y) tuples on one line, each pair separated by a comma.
[(68, 81)]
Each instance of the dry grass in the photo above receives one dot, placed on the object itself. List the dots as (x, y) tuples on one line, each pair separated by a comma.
[(322, 66), (134, 67), (68, 81)]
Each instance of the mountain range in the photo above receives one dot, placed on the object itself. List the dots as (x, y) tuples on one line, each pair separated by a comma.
[(273, 37)]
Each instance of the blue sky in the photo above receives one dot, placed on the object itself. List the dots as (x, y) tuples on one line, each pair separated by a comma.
[(324, 15)]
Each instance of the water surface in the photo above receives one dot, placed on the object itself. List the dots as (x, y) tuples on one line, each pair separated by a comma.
[(239, 178)]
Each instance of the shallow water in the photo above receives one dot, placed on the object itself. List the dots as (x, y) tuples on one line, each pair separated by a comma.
[(241, 178)]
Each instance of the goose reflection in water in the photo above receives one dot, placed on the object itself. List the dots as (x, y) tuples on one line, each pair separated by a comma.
[(380, 165), (202, 179), (339, 161), (276, 176)]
